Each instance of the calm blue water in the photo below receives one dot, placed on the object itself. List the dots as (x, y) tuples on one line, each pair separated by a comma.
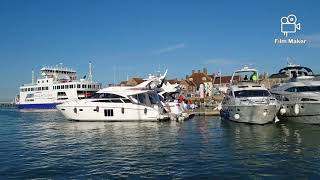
[(45, 145)]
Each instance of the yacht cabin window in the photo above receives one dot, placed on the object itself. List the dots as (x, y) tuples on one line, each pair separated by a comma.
[(304, 89)]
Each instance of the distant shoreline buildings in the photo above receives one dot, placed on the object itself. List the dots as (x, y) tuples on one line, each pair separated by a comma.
[(212, 84)]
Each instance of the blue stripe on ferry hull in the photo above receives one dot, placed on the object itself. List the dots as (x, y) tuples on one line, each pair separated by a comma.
[(36, 106)]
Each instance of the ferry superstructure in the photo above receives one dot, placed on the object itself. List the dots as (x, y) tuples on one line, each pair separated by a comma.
[(57, 84)]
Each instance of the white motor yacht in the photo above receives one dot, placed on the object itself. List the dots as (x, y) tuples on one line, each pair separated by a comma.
[(247, 101), (299, 96), (117, 104)]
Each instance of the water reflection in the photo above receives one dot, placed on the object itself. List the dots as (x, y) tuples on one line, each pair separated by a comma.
[(44, 144)]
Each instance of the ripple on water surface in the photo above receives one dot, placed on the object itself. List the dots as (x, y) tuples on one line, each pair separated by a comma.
[(45, 145)]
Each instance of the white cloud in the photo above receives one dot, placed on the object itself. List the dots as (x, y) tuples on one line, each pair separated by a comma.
[(170, 48)]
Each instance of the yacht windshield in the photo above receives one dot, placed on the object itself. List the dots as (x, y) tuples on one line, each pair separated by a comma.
[(252, 93), (154, 98)]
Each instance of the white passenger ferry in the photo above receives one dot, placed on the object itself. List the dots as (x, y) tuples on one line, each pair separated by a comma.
[(57, 85)]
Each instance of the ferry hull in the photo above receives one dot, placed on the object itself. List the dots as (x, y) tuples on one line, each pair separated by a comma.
[(37, 106)]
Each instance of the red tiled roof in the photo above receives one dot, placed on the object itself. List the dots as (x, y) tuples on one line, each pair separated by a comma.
[(197, 78), (225, 79), (138, 80)]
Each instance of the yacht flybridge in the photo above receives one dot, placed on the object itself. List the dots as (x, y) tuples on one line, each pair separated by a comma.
[(58, 84), (247, 101), (299, 96)]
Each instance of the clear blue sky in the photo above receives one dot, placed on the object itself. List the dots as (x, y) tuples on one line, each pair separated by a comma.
[(136, 37)]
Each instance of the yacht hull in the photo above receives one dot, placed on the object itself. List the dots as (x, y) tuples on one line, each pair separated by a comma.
[(308, 113), (254, 114), (90, 113)]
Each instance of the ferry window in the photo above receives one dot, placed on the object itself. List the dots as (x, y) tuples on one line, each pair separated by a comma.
[(71, 86), (67, 86), (62, 86), (32, 89), (42, 81), (78, 85), (252, 93), (47, 81), (38, 81), (47, 88), (42, 88), (108, 112), (30, 96), (62, 94), (89, 86)]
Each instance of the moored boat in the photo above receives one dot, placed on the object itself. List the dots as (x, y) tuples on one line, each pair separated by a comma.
[(247, 101)]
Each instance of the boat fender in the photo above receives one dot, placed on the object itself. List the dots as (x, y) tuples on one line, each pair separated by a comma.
[(282, 110), (145, 110), (276, 119), (296, 109), (236, 116)]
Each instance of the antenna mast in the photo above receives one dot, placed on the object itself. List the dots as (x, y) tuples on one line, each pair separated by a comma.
[(90, 72), (32, 77)]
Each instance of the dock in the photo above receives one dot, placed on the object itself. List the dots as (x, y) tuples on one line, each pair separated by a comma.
[(205, 112)]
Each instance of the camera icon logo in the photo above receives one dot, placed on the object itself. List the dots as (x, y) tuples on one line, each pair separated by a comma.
[(289, 25)]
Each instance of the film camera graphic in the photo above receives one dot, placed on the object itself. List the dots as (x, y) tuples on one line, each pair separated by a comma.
[(289, 25)]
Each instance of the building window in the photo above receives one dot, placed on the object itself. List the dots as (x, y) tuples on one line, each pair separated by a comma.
[(108, 112)]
